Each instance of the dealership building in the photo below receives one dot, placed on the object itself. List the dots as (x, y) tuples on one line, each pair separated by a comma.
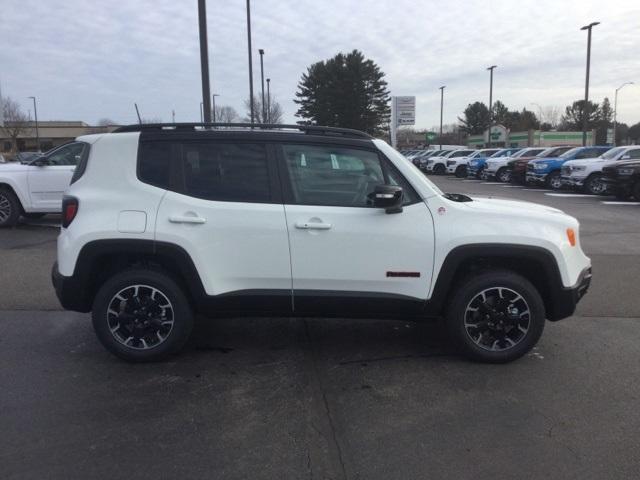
[(500, 136)]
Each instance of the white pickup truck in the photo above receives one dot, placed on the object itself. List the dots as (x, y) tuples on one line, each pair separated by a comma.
[(36, 188)]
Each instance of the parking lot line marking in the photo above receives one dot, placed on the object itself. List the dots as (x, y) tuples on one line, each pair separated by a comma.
[(569, 194), (492, 183), (471, 180), (535, 190), (512, 186), (621, 203)]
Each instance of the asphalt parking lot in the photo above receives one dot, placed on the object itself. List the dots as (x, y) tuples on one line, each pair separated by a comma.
[(356, 399)]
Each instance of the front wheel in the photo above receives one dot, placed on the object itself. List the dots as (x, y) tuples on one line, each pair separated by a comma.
[(142, 315), (461, 171), (495, 317), (554, 181), (9, 208), (595, 186), (439, 169), (504, 175)]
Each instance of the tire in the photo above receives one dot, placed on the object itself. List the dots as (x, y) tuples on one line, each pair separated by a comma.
[(593, 185), (439, 169), (480, 173), (503, 175), (167, 313), (553, 180), (461, 171), (491, 345), (33, 216), (9, 208), (636, 191)]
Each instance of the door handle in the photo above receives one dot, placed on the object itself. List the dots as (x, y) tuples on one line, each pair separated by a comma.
[(187, 219), (313, 226)]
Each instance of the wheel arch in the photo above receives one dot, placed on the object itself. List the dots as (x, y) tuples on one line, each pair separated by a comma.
[(101, 259), (536, 264), (5, 184)]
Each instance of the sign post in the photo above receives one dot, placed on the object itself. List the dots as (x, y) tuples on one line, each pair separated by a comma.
[(403, 112)]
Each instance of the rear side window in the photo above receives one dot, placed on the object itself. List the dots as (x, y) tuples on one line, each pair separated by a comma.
[(82, 163), (231, 172), (154, 163), (226, 171)]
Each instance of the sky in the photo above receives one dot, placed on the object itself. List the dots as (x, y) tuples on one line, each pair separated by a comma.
[(89, 59)]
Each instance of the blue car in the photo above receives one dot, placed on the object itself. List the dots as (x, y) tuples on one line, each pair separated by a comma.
[(546, 171), (478, 164)]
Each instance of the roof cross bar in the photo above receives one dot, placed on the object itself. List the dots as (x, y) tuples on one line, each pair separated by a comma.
[(308, 129)]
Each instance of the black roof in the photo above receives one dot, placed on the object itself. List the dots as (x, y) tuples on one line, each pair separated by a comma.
[(245, 128)]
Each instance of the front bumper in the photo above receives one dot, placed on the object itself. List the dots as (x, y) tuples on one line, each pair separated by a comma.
[(570, 181), (536, 177), (563, 303), (70, 292), (618, 186)]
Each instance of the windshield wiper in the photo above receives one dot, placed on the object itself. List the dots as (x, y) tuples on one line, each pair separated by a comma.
[(457, 197)]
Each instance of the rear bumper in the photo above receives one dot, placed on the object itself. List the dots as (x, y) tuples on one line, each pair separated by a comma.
[(564, 302), (69, 290)]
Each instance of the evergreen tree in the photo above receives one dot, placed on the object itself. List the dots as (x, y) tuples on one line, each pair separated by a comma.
[(476, 118), (347, 91)]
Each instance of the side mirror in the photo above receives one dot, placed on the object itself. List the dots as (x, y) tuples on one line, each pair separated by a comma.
[(388, 197), (40, 162)]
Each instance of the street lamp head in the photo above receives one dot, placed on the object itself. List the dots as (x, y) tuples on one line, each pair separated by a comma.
[(261, 51), (492, 67), (443, 87), (591, 25), (268, 80)]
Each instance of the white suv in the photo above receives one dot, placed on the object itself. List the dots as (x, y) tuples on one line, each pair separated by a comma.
[(163, 222), (36, 188), (438, 164), (587, 174)]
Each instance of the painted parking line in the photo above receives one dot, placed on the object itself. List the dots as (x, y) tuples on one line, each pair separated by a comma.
[(471, 180), (569, 194), (492, 183), (542, 190), (511, 186), (620, 203)]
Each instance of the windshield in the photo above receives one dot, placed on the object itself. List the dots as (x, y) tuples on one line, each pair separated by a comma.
[(570, 153), (459, 153), (501, 153), (613, 153)]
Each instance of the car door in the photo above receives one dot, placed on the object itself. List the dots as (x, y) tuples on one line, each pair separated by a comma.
[(346, 255), (49, 176), (225, 209)]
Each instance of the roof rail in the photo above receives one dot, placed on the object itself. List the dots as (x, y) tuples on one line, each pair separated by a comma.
[(308, 129)]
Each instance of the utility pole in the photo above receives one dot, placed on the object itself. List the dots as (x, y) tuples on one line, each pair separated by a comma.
[(268, 101), (264, 112), (204, 60), (173, 116), (585, 110), (615, 110), (490, 102), (441, 108), (250, 61), (213, 100), (35, 113)]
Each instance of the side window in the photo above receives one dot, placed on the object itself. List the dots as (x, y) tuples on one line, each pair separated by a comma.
[(226, 172), (67, 155), (633, 153), (337, 176), (154, 160)]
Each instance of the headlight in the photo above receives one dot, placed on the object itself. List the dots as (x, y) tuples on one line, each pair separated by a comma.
[(577, 168), (540, 166), (473, 163), (625, 171)]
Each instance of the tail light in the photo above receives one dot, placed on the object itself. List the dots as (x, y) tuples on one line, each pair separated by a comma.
[(69, 210)]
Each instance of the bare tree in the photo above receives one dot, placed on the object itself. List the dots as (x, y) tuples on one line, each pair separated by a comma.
[(274, 115), (105, 122), (16, 121), (226, 114), (551, 114)]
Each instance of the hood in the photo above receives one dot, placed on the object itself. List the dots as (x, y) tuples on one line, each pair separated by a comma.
[(13, 167), (587, 161), (515, 207)]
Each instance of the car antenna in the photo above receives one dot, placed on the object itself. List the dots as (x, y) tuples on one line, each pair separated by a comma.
[(138, 113)]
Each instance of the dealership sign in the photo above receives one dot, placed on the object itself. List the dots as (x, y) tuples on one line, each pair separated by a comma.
[(496, 134), (404, 110)]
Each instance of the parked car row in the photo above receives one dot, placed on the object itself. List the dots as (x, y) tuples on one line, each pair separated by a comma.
[(597, 170)]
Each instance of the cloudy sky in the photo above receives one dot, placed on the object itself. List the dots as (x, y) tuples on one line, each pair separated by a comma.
[(88, 59)]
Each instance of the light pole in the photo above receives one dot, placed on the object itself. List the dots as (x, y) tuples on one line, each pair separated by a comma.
[(204, 61), (441, 107), (35, 113), (201, 113), (268, 100), (250, 62), (490, 102), (585, 110), (615, 110), (213, 103), (264, 114)]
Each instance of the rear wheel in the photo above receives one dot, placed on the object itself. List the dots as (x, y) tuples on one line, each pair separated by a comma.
[(9, 208), (553, 180), (142, 315), (594, 185), (439, 169), (504, 175), (495, 317)]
